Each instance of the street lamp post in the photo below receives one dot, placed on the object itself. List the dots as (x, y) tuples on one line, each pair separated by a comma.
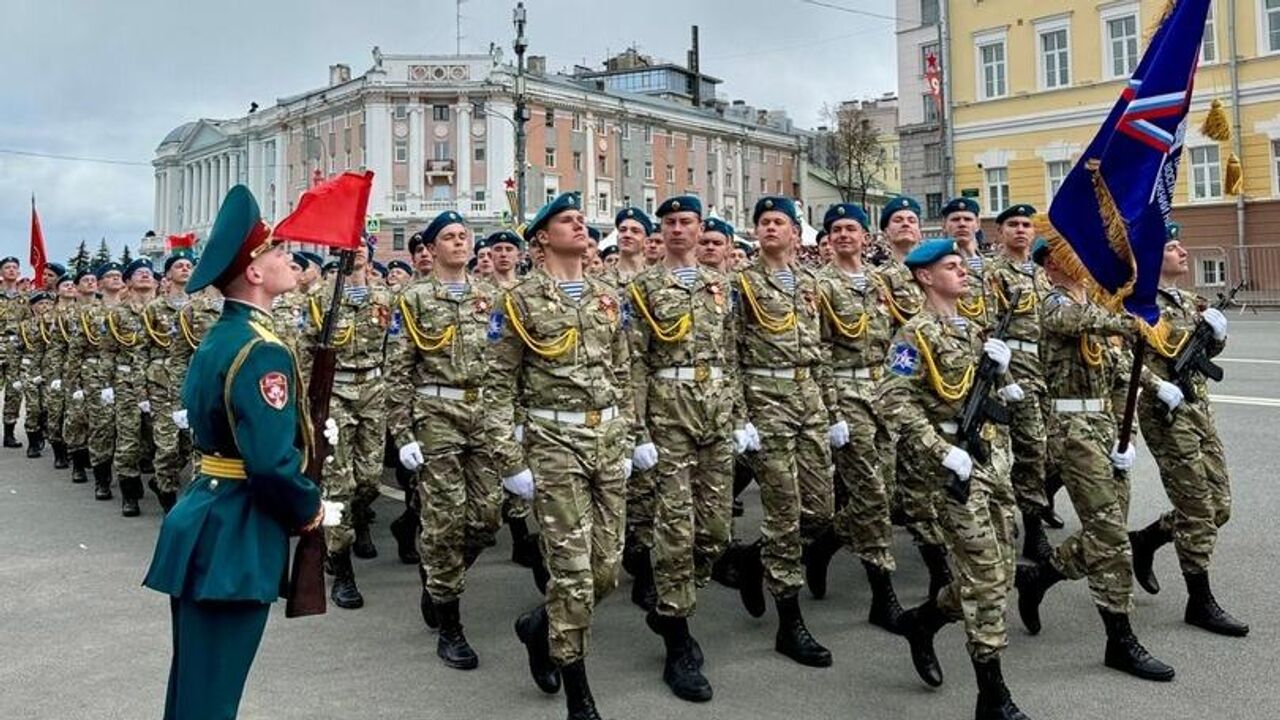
[(518, 17)]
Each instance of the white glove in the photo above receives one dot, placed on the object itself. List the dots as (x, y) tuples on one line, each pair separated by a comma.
[(741, 441), (332, 513), (108, 396), (626, 469), (997, 350), (958, 462), (17, 384), (1169, 394), (180, 419), (331, 432), (145, 406), (411, 456), (838, 434), (520, 484), (1214, 318), (37, 380), (1123, 460), (78, 395), (753, 437), (55, 384), (1011, 393), (645, 456), (517, 432)]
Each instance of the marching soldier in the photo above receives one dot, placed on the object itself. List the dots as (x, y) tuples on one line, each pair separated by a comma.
[(779, 354), (13, 306), (560, 355), (289, 311), (444, 432), (1184, 441), (421, 256), (714, 244), (101, 374), (407, 526), (78, 377), (166, 372), (929, 373), (399, 276), (35, 343), (56, 369), (132, 405)]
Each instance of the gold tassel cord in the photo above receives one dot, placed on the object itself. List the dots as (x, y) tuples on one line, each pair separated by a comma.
[(1025, 305), (188, 333), (1216, 125), (318, 318), (673, 333), (567, 341), (1158, 339), (975, 309), (1091, 352), (768, 322), (156, 337), (900, 315), (850, 330), (115, 333), (951, 392), (89, 336), (424, 341), (1233, 182)]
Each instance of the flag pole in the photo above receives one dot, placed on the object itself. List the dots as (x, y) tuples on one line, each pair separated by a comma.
[(1131, 399)]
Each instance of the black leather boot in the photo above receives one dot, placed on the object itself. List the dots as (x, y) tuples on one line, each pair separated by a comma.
[(1052, 484), (994, 701), (1033, 581), (452, 645), (166, 498), (577, 693), (10, 440), (130, 494), (35, 444), (935, 559), (751, 579), (425, 604), (886, 612), (1126, 654), (102, 481), (919, 626), (1144, 543), (725, 569), (1203, 610), (644, 593), (363, 546), (816, 558), (1035, 544), (344, 592), (521, 552), (793, 639), (532, 628), (682, 669), (80, 466), (60, 460), (405, 530)]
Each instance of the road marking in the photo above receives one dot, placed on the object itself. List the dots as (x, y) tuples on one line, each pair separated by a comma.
[(1252, 361), (393, 493), (1246, 400)]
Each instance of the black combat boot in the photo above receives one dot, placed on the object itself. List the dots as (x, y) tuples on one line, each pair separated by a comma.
[(1144, 543), (363, 546), (10, 441), (344, 592), (577, 693), (751, 579), (1203, 610), (1035, 544), (1033, 581), (541, 576), (35, 444), (631, 548), (886, 612), (919, 626), (102, 481), (994, 702), (166, 498), (816, 557), (532, 628), (935, 559), (644, 593), (682, 670), (1126, 654), (130, 494), (522, 553), (452, 645), (793, 639), (425, 604), (80, 466), (1050, 516), (725, 569), (405, 530), (60, 460)]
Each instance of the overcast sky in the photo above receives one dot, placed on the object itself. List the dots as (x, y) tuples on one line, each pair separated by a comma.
[(108, 80)]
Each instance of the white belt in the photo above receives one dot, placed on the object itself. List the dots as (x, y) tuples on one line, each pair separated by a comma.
[(786, 373), (91, 361), (350, 376), (124, 368), (862, 373), (949, 427), (1076, 405), (449, 393), (1022, 345), (701, 373), (590, 418), (26, 362)]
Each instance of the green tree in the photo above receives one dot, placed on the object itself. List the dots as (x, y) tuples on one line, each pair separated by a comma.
[(126, 256), (103, 255), (80, 261)]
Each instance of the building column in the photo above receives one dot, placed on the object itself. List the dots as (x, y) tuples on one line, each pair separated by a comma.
[(207, 186), (281, 179), (235, 168), (377, 154), (589, 167), (463, 154), (739, 167), (202, 190), (717, 176), (500, 153), (417, 166)]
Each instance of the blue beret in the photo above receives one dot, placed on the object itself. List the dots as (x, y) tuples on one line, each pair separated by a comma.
[(634, 214), (39, 296), (1019, 210), (822, 235), (313, 258), (680, 203), (238, 218), (961, 204), (1040, 251), (481, 243), (87, 272), (562, 202), (718, 225), (745, 247), (1172, 231), (443, 220), (108, 267), (402, 265), (380, 269), (508, 237), (611, 250), (844, 211), (64, 278), (331, 265), (902, 202), (593, 233), (9, 259), (136, 265), (56, 268), (180, 254), (930, 252), (298, 258), (769, 203)]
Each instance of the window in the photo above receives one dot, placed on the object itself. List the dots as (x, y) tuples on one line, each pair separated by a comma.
[(440, 113), (550, 119), (602, 203), (626, 201), (648, 134), (1209, 45), (1206, 173), (649, 200), (933, 158), (689, 177), (997, 190), (931, 49), (479, 194), (930, 109), (933, 205), (397, 239), (671, 139), (402, 151), (577, 161), (333, 144), (779, 190), (478, 109), (346, 139), (1122, 45), (671, 173), (764, 186), (401, 111), (648, 169), (626, 167), (1270, 27), (928, 12), (551, 195), (992, 69), (577, 121), (442, 150), (1211, 272), (441, 193), (478, 153), (1055, 172), (1275, 163), (549, 158), (1055, 57), (550, 188), (626, 131), (602, 166)]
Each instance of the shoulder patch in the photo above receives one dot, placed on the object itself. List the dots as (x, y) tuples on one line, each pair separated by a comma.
[(903, 359), (274, 387), (1056, 299), (497, 321)]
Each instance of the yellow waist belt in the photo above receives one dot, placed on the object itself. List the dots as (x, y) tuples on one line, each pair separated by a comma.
[(220, 467)]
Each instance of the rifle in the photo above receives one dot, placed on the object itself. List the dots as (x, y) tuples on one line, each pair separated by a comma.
[(980, 408), (1194, 358), (306, 581)]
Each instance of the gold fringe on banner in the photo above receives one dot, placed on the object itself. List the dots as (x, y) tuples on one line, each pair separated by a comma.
[(1216, 125), (1164, 15), (1234, 180)]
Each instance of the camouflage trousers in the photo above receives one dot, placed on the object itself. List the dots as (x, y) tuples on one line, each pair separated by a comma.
[(912, 490), (33, 387), (1026, 429), (359, 410), (55, 404), (131, 423), (101, 418), (979, 538), (862, 523), (1099, 550), (691, 426), (172, 445), (75, 421), (1193, 469), (10, 373), (580, 504), (642, 489), (459, 490), (795, 474)]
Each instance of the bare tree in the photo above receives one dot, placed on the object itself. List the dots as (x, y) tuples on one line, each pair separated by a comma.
[(849, 150)]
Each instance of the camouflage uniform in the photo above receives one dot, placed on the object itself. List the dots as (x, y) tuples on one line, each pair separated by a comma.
[(35, 341), (690, 413), (100, 374), (779, 354), (125, 325), (515, 507), (166, 371), (289, 316), (80, 369), (12, 309), (438, 372), (566, 364), (920, 401), (55, 368)]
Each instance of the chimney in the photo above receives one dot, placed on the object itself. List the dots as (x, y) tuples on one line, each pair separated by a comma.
[(694, 67), (537, 65), (339, 74)]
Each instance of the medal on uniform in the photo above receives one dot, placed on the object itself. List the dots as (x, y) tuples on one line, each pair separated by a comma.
[(717, 294), (807, 295), (482, 304), (382, 316), (609, 306)]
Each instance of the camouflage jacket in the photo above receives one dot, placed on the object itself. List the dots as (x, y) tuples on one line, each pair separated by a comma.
[(125, 325), (55, 355), (1004, 276), (855, 330), (360, 330), (34, 342), (775, 327), (105, 347), (1179, 313), (902, 296), (1075, 346), (76, 325), (160, 318), (194, 319), (12, 309), (979, 305)]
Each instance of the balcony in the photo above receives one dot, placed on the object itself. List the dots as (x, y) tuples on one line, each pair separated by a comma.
[(439, 169)]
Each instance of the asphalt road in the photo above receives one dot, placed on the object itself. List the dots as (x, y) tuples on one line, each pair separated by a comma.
[(80, 638)]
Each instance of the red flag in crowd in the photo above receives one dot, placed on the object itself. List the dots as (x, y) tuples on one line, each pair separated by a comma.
[(331, 213), (181, 242), (38, 256)]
